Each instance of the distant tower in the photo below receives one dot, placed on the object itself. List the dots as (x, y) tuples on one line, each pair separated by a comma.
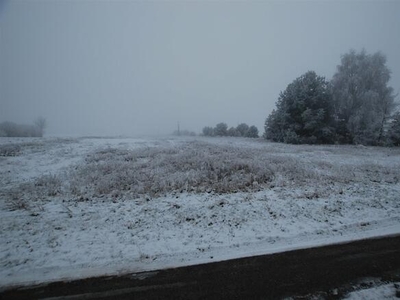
[(179, 130)]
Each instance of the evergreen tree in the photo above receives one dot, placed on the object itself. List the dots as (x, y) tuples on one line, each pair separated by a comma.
[(304, 112)]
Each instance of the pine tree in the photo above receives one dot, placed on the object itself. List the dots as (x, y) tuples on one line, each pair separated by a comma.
[(304, 112)]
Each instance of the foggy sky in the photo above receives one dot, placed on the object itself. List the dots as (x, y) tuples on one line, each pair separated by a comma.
[(129, 68)]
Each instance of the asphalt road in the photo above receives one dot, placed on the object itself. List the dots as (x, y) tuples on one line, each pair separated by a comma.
[(328, 270)]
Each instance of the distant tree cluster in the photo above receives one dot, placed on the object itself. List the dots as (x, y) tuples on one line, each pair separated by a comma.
[(184, 133), (221, 129), (355, 107), (10, 129)]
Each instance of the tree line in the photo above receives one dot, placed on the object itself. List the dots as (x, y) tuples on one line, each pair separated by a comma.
[(356, 107), (11, 129), (221, 129)]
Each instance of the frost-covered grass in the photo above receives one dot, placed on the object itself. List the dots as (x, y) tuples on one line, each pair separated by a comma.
[(194, 167), (198, 167), (77, 207)]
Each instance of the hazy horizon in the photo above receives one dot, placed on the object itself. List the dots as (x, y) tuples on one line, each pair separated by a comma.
[(139, 68)]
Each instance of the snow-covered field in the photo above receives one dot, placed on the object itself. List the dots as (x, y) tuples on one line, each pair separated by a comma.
[(71, 208)]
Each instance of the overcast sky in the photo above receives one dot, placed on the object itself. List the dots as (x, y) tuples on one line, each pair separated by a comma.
[(130, 67)]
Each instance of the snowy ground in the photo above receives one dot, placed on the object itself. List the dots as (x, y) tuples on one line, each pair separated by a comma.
[(366, 289), (71, 208), (383, 291)]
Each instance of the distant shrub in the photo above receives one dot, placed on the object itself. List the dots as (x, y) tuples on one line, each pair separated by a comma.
[(243, 129), (252, 132), (208, 131), (221, 129), (232, 131)]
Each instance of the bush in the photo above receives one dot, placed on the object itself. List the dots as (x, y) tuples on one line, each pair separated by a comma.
[(233, 132), (208, 131), (243, 129), (221, 129), (252, 132)]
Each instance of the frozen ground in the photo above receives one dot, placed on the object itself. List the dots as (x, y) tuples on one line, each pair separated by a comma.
[(71, 208)]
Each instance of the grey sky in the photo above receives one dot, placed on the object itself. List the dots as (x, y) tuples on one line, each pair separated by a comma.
[(125, 67)]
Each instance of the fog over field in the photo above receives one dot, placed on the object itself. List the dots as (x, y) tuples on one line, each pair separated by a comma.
[(133, 68)]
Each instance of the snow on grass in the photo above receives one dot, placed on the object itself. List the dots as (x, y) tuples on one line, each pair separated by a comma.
[(362, 289), (384, 291), (70, 208)]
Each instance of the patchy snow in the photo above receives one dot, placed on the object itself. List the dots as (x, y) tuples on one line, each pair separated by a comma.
[(385, 291), (51, 229)]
